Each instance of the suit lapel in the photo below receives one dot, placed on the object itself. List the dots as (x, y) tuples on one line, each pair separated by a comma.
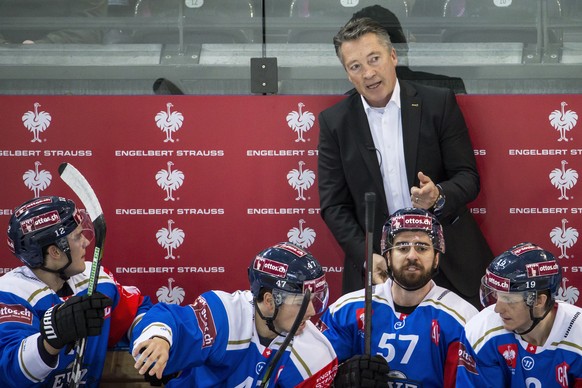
[(411, 113)]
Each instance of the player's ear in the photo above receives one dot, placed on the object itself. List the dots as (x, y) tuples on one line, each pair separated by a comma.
[(541, 300), (269, 300), (53, 251)]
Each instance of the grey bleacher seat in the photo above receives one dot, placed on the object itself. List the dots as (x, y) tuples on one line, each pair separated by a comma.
[(514, 21), (319, 20), (203, 21)]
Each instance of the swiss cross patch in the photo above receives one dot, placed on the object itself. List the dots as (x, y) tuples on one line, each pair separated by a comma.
[(509, 353), (267, 352)]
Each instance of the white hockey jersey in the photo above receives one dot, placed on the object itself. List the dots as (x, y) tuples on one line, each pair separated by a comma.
[(214, 343), (23, 302), (421, 348), (494, 357)]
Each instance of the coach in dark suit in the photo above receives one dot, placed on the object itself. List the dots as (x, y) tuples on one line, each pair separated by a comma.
[(426, 131)]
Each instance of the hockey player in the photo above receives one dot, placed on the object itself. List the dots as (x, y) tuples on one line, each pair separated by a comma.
[(524, 337), (228, 340), (44, 307), (416, 325)]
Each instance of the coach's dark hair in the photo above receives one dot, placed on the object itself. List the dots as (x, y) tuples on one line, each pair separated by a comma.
[(355, 29)]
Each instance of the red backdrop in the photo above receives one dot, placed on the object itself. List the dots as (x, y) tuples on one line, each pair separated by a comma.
[(192, 187)]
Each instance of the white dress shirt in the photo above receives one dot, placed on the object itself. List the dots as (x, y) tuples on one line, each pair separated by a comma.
[(386, 126)]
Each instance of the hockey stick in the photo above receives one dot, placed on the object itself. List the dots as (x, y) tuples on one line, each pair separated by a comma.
[(77, 182), (370, 203), (271, 367)]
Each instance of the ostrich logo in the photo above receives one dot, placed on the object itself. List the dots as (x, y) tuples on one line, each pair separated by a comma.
[(36, 122), (568, 294), (36, 180), (173, 295), (563, 121), (509, 353), (564, 238), (169, 122), (301, 236), (170, 239), (300, 121), (170, 180), (301, 180), (563, 179)]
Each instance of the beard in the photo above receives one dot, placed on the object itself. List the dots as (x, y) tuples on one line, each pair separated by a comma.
[(413, 280)]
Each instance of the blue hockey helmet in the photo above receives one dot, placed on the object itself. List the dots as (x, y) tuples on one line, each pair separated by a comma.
[(412, 219), (525, 268), (41, 222), (287, 269)]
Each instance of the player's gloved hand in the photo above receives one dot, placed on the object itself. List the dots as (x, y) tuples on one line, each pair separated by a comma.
[(362, 371), (78, 317)]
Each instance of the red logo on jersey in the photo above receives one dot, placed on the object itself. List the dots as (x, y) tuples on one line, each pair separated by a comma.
[(321, 326), (562, 374), (205, 321), (361, 318), (435, 332), (466, 361), (267, 352), (322, 379), (15, 313), (509, 353)]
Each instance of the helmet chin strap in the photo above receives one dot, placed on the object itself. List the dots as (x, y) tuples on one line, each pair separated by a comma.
[(535, 320), (268, 320)]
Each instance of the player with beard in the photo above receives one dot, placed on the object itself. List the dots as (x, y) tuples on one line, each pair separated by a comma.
[(416, 325)]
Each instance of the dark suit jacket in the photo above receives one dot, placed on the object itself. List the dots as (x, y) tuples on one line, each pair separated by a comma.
[(436, 142)]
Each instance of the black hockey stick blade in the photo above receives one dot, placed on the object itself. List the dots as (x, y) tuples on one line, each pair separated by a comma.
[(370, 204), (271, 367), (77, 182)]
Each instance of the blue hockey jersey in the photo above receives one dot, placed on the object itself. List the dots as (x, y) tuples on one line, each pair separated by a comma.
[(494, 357), (215, 343), (23, 301), (421, 348)]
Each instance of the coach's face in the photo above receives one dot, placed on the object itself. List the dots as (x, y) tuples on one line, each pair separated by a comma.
[(371, 67)]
